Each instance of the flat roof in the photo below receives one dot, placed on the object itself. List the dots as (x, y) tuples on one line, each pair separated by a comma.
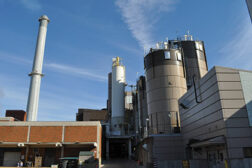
[(51, 123)]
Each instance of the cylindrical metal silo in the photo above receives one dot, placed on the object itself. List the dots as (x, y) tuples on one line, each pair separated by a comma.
[(195, 60), (118, 102), (165, 84)]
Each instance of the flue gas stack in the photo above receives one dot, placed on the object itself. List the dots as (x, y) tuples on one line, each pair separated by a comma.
[(36, 74)]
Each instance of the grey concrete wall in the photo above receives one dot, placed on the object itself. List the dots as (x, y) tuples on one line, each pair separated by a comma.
[(168, 147)]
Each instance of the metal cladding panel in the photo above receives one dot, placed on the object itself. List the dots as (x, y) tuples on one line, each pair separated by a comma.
[(246, 82), (118, 87), (165, 84)]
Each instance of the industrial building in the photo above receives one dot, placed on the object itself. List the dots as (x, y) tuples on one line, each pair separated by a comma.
[(92, 115), (18, 115), (216, 118), (195, 118), (47, 140), (118, 123), (42, 144), (140, 109), (170, 69), (119, 134), (178, 115)]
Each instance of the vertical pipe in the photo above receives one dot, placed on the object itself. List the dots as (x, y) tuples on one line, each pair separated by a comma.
[(36, 74)]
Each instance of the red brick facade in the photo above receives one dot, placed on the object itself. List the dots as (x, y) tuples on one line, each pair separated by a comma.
[(57, 139), (80, 134), (46, 134), (13, 134)]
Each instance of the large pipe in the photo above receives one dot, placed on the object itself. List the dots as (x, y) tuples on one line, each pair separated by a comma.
[(36, 74)]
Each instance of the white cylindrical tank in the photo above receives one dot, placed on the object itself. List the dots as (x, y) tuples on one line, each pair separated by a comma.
[(118, 102)]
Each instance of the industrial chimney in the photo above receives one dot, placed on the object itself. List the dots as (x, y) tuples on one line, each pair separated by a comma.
[(36, 74)]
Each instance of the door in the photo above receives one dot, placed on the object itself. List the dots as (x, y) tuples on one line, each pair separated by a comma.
[(11, 159), (49, 157), (216, 159)]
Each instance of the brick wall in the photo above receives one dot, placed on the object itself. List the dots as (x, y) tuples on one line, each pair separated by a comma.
[(13, 134), (80, 134), (46, 134)]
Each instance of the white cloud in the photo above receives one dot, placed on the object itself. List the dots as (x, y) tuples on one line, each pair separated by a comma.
[(141, 15), (76, 71), (237, 53), (31, 4), (60, 68), (13, 58), (1, 93)]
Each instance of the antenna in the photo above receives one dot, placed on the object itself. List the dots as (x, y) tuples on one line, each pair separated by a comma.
[(189, 36), (177, 34), (188, 32)]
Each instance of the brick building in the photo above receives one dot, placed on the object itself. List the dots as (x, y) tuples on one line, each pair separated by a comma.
[(18, 115), (50, 140), (92, 115)]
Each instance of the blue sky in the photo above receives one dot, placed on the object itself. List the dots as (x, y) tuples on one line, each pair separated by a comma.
[(84, 36)]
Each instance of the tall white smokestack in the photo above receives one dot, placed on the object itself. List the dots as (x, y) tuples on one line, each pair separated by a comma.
[(36, 74)]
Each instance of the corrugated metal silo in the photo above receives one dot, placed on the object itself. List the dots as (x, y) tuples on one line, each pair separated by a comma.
[(165, 84), (195, 60)]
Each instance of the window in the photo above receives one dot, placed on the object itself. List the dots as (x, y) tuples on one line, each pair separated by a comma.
[(167, 55), (247, 151), (179, 56), (129, 99), (199, 46)]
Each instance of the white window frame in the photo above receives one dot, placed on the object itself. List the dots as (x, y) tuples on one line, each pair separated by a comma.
[(167, 54), (179, 56)]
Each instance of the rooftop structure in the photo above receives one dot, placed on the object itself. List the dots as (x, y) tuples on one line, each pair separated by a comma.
[(92, 115)]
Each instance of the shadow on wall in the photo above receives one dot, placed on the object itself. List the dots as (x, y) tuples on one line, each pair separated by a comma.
[(238, 122)]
